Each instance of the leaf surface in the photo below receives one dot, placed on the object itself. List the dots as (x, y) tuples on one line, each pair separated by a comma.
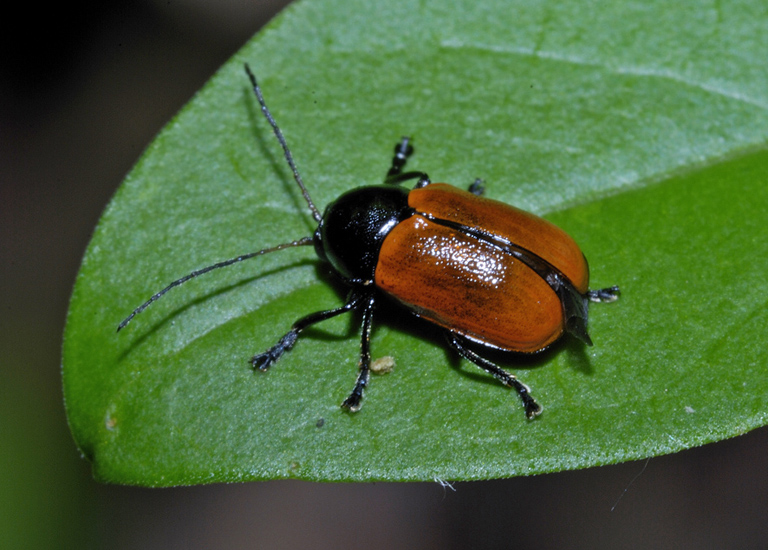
[(638, 127)]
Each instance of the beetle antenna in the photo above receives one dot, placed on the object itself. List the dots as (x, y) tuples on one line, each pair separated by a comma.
[(279, 134), (306, 241)]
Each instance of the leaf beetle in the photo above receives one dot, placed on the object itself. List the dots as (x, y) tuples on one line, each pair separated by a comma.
[(489, 275)]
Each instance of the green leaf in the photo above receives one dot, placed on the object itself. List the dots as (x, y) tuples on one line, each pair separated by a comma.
[(638, 127)]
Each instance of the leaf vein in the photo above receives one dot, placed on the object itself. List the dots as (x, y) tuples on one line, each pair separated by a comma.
[(618, 70)]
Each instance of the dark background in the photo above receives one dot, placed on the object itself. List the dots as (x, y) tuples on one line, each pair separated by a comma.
[(84, 88)]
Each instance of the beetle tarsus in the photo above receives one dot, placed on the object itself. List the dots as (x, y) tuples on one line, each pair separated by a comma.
[(532, 408), (354, 401), (395, 175), (477, 188), (403, 150), (265, 360), (610, 294)]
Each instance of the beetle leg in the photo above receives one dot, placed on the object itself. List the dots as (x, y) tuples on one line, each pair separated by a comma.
[(395, 175), (353, 401), (400, 178), (263, 361), (610, 294), (403, 150), (477, 188), (532, 408)]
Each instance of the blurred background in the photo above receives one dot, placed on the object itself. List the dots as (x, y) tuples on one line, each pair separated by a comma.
[(84, 87)]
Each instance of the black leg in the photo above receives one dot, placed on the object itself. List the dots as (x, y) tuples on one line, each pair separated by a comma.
[(403, 150), (477, 187), (264, 360), (532, 409), (400, 178), (395, 175), (610, 294), (353, 402)]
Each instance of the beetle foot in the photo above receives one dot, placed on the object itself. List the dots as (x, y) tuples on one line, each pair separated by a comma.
[(532, 408), (477, 188), (263, 361), (610, 294), (403, 150), (354, 401)]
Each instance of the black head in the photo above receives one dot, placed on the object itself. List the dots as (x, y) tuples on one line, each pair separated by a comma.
[(354, 226)]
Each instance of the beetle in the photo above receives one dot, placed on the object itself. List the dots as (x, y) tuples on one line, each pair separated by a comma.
[(491, 276)]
